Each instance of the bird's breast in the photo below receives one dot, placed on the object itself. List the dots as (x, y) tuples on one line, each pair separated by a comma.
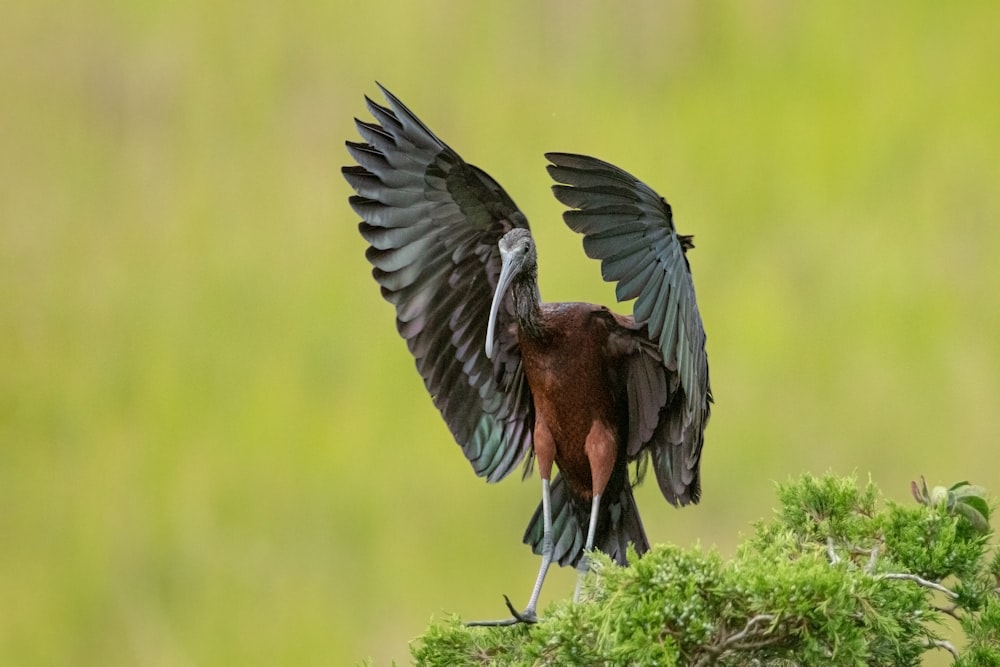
[(572, 380)]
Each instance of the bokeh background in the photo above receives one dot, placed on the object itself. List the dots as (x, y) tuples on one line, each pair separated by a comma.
[(214, 449)]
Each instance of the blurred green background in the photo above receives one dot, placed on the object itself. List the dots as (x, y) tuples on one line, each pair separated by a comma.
[(214, 448)]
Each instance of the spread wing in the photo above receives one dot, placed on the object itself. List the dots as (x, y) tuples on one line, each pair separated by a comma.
[(630, 229), (433, 223)]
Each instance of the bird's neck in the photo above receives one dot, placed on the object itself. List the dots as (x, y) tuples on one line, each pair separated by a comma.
[(528, 308)]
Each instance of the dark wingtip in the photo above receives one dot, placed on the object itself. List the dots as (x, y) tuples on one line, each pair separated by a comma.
[(558, 157), (581, 161), (393, 100)]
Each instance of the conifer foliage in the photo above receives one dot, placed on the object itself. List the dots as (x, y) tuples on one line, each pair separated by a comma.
[(837, 576)]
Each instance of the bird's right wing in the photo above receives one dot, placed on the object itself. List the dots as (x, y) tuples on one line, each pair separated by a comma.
[(433, 222)]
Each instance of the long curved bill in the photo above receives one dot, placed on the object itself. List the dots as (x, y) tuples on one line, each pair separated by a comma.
[(507, 273)]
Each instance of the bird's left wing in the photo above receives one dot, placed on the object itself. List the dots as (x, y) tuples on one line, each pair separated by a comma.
[(433, 222), (630, 229)]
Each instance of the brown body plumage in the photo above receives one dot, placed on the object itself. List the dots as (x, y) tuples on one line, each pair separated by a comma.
[(570, 369)]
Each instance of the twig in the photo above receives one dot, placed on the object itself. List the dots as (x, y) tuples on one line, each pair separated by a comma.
[(873, 560), (736, 641), (941, 643), (750, 626), (834, 558), (951, 611), (920, 580), (854, 550)]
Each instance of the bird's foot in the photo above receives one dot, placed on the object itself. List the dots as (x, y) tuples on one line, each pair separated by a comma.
[(526, 616)]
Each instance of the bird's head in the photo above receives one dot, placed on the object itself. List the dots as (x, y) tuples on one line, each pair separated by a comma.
[(517, 252), (519, 259)]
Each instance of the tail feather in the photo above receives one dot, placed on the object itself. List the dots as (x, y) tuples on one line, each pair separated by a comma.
[(618, 524), (624, 527)]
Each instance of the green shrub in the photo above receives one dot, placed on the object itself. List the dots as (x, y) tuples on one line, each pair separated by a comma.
[(831, 579)]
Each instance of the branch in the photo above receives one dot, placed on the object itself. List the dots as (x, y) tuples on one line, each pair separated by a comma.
[(873, 560), (737, 641), (872, 553), (946, 645), (834, 558), (926, 583), (951, 611)]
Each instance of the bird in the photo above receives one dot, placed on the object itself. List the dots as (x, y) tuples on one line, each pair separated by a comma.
[(573, 386)]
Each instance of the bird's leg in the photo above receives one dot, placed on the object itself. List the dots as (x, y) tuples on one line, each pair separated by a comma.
[(584, 565), (547, 546), (530, 615), (602, 451)]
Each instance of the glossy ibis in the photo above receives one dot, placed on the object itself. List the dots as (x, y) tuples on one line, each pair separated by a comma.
[(567, 383)]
